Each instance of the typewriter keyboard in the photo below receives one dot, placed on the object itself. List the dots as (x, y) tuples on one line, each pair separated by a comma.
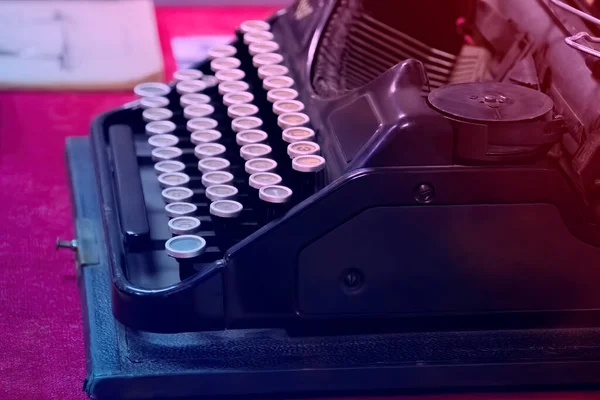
[(230, 145)]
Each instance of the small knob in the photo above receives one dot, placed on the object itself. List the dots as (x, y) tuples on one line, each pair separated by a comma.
[(66, 244)]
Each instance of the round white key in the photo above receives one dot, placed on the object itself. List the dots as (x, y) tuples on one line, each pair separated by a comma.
[(177, 194), (305, 148), (250, 136), (151, 89), (216, 178), (210, 80), (185, 246), (220, 64), (180, 209), (230, 75), (166, 153), (226, 208), (291, 135), (168, 166), (221, 192), (254, 26), (154, 102), (163, 140), (241, 110), (201, 124), (222, 52), (160, 127), (233, 86), (287, 106), (260, 165), (275, 194), (206, 150), (193, 98), (237, 98), (258, 150), (187, 75), (290, 120), (257, 37), (277, 82), (274, 95), (266, 59), (310, 163), (263, 48), (184, 225), (156, 114), (206, 136), (198, 111), (173, 179), (243, 123), (262, 179), (210, 164), (188, 87), (272, 70)]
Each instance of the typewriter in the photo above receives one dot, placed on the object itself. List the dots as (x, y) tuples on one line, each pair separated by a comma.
[(351, 197)]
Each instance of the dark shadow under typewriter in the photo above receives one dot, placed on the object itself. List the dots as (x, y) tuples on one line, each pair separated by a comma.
[(453, 226)]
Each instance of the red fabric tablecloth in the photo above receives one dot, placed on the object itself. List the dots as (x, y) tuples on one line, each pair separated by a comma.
[(41, 338)]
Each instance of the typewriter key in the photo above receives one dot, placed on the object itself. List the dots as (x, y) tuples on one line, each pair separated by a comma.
[(258, 180), (198, 111), (272, 70), (277, 82), (206, 136), (220, 64), (166, 153), (302, 148), (216, 178), (274, 95), (206, 150), (201, 124), (160, 127), (222, 52), (266, 59), (210, 164), (187, 75), (275, 201), (221, 192), (230, 75), (237, 98), (263, 47), (185, 246), (299, 134), (256, 165), (257, 37), (258, 150), (244, 123), (163, 140), (287, 106), (226, 222), (151, 89), (189, 87), (254, 26), (210, 80), (241, 110), (184, 225), (169, 166), (193, 98), (305, 174), (180, 209), (156, 114), (154, 102), (291, 120), (173, 179), (233, 86), (177, 194), (250, 136)]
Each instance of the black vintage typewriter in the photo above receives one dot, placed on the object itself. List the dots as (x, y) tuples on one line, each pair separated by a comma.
[(352, 197)]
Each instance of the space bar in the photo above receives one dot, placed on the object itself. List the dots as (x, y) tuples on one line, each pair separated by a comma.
[(128, 184)]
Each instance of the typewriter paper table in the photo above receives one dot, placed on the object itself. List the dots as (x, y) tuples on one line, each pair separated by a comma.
[(41, 338)]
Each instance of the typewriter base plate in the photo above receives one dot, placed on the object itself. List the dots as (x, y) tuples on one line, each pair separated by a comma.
[(127, 364)]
